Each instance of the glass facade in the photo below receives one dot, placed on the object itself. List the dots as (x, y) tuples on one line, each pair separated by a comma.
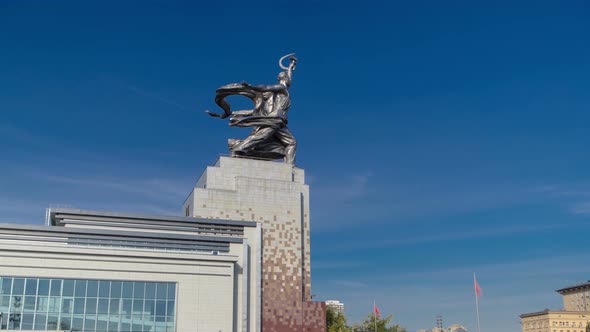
[(194, 246), (86, 305)]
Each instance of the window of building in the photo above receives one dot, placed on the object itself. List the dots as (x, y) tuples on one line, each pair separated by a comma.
[(86, 305)]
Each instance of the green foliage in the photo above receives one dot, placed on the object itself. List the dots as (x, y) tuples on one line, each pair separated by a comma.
[(588, 327), (330, 317), (335, 321), (382, 324)]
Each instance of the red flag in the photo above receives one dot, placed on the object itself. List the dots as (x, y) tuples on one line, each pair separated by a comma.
[(376, 310), (478, 291)]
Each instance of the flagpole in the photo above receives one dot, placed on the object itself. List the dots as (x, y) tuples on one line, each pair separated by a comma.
[(476, 301), (374, 315)]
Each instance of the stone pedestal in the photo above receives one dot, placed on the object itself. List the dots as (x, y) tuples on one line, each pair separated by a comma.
[(275, 195)]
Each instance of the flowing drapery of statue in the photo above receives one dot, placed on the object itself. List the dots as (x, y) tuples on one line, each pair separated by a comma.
[(270, 138)]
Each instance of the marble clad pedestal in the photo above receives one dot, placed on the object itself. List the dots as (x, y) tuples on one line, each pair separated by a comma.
[(275, 195)]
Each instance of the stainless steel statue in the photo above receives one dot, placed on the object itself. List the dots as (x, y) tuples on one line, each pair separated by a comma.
[(270, 138)]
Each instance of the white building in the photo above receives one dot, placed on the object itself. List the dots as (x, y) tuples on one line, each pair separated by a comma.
[(98, 271), (336, 305), (450, 328)]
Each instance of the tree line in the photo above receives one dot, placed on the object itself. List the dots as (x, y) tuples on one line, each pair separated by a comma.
[(336, 322)]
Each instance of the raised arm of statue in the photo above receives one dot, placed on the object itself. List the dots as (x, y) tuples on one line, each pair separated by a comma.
[(266, 87), (291, 68)]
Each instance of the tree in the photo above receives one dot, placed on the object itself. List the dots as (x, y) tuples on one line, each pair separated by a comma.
[(335, 321), (330, 317), (588, 327), (381, 323)]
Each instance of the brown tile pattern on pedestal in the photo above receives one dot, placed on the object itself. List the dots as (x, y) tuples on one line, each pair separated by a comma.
[(285, 295), (313, 320), (315, 317)]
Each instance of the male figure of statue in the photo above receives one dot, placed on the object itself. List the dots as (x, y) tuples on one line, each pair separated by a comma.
[(275, 105), (270, 138)]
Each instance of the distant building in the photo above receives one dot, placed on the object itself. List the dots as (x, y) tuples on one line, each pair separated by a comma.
[(336, 305), (577, 297), (554, 320), (450, 328), (456, 328), (573, 318)]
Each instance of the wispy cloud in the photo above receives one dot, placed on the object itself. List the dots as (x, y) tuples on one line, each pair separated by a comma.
[(156, 97), (145, 93), (49, 147), (21, 208), (350, 284), (333, 264), (348, 188), (19, 211), (581, 208), (155, 188), (368, 199), (574, 197), (507, 272), (451, 236), (161, 196), (13, 205), (27, 138), (469, 234)]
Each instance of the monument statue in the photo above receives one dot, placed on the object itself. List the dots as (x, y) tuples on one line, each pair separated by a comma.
[(270, 138)]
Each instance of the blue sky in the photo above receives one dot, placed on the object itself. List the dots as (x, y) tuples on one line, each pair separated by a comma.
[(438, 138)]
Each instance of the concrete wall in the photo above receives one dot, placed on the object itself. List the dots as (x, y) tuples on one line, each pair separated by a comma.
[(556, 320), (577, 300), (205, 289), (273, 194)]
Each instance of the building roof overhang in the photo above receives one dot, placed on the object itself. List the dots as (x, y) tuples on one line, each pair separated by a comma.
[(57, 216), (548, 311), (574, 288)]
